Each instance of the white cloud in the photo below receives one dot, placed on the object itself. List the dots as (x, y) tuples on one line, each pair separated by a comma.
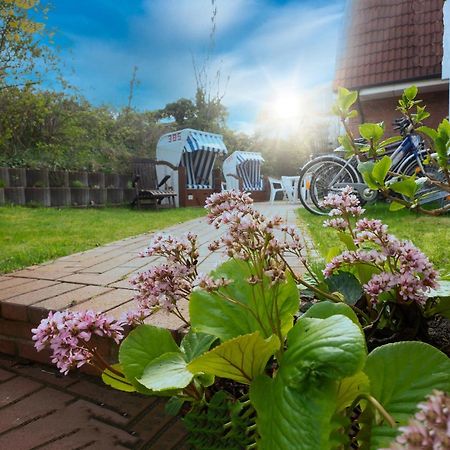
[(261, 47)]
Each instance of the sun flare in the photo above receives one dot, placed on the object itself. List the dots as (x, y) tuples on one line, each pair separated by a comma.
[(286, 106)]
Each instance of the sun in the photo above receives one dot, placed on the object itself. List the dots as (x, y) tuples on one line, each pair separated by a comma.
[(286, 106)]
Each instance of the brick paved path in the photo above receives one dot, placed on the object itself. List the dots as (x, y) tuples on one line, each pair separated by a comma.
[(41, 410)]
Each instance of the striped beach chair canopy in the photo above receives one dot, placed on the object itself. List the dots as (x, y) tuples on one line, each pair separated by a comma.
[(245, 166), (195, 150)]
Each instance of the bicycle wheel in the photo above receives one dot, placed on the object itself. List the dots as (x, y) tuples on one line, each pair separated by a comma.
[(318, 177), (429, 195)]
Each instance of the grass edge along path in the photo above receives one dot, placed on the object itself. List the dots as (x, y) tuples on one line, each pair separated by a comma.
[(31, 236), (429, 234)]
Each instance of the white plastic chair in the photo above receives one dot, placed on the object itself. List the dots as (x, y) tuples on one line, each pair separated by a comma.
[(290, 185), (275, 186)]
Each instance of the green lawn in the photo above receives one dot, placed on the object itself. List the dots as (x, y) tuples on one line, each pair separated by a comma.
[(34, 235), (430, 234)]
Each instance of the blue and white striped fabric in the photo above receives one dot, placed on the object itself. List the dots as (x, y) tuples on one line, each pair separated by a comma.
[(249, 169), (198, 157)]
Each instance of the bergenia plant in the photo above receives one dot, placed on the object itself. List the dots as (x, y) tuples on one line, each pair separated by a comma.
[(391, 278), (248, 370)]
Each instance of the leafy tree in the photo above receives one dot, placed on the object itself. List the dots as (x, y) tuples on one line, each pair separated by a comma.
[(183, 111), (23, 42)]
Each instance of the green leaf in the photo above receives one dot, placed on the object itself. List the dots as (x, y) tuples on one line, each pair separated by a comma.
[(167, 372), (325, 309), (347, 239), (332, 253), (296, 408), (115, 381), (411, 92), (347, 284), (289, 418), (407, 187), (195, 344), (140, 348), (381, 168), (350, 388), (173, 406), (390, 141), (401, 376), (444, 129), (430, 132), (396, 206), (365, 169), (346, 142), (240, 359), (371, 131), (211, 313), (346, 98), (324, 348), (442, 307)]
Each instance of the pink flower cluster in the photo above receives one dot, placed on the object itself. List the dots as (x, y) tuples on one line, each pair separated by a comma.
[(430, 427), (344, 203), (222, 205), (210, 284), (163, 286), (179, 250), (349, 257), (400, 265), (67, 334), (252, 236)]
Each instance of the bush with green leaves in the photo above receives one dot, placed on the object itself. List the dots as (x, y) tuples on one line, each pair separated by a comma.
[(403, 190), (248, 370)]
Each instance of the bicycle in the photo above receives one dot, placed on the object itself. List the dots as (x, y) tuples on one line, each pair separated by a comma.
[(331, 173)]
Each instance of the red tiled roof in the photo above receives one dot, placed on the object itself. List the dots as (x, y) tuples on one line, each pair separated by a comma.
[(390, 41)]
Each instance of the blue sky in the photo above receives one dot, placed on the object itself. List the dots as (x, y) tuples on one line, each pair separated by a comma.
[(267, 48)]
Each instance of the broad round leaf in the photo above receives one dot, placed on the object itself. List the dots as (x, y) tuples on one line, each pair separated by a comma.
[(141, 347), (167, 372), (289, 418), (330, 348), (195, 344), (347, 284), (115, 381), (211, 313), (350, 388), (325, 309), (240, 359), (401, 376)]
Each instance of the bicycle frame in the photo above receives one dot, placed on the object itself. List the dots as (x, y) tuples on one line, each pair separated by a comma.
[(409, 147)]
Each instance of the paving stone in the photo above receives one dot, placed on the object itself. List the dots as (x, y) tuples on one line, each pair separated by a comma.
[(24, 287), (15, 328), (40, 403), (11, 281), (15, 308), (16, 388), (99, 279), (72, 298), (107, 265), (77, 416), (172, 437), (122, 284), (125, 404), (153, 423), (6, 375), (107, 301)]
